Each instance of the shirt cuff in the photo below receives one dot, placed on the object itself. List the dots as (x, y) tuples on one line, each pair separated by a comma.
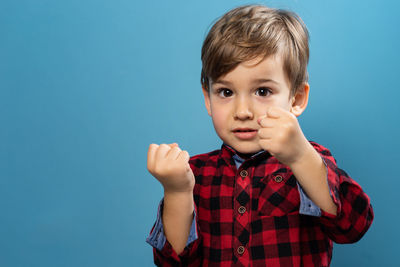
[(157, 237), (307, 206)]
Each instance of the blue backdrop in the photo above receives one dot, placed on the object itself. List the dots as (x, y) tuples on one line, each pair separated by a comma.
[(86, 86)]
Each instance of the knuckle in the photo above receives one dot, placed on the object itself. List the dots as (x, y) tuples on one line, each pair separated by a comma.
[(152, 146), (184, 154), (177, 149), (164, 146)]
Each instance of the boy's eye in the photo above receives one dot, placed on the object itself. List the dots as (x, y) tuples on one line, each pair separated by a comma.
[(224, 92), (263, 91)]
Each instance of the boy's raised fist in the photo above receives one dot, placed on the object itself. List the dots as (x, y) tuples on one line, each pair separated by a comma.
[(280, 134), (170, 166)]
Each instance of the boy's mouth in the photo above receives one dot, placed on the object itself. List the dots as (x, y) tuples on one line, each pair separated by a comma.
[(245, 133), (243, 130)]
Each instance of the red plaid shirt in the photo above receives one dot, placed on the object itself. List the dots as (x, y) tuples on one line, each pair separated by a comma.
[(250, 216)]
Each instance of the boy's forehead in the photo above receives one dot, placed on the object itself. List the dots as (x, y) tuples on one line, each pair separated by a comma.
[(260, 69)]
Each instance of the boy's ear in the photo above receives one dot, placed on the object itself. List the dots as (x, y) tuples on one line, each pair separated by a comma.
[(206, 94), (300, 100)]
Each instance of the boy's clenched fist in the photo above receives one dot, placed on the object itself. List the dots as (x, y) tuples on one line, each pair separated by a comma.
[(280, 134), (170, 165)]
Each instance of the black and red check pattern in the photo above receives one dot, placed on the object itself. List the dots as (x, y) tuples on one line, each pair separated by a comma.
[(250, 216)]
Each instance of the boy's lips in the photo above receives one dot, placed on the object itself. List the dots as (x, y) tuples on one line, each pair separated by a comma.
[(245, 133)]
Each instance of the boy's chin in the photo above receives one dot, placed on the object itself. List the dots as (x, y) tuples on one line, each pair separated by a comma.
[(246, 148)]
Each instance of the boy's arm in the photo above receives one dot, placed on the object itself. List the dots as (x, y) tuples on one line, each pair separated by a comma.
[(170, 165), (354, 210), (310, 171), (346, 210), (177, 218), (164, 254), (281, 136)]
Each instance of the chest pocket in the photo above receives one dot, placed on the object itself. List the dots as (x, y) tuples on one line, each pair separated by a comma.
[(279, 194)]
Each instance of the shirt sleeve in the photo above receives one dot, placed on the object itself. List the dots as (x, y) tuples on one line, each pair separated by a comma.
[(157, 237), (354, 213), (164, 254)]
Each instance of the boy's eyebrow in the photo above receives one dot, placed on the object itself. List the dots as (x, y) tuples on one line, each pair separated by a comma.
[(222, 82), (262, 80), (256, 81)]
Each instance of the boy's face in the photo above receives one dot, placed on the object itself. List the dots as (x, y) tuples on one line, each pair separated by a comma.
[(236, 101)]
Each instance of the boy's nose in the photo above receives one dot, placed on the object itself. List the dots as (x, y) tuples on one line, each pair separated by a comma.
[(243, 110)]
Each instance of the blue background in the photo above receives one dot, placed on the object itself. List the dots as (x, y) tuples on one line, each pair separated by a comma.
[(86, 86)]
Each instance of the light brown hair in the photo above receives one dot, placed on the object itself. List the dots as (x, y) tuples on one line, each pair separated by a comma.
[(253, 31)]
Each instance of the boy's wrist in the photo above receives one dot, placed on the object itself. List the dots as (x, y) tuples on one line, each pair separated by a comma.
[(307, 155), (178, 197), (179, 203), (185, 189), (178, 193)]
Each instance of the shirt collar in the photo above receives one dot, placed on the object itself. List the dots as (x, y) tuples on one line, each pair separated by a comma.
[(231, 156)]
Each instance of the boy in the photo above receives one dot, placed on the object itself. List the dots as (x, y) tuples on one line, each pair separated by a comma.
[(268, 197)]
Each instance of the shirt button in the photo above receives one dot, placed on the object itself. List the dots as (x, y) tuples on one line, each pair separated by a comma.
[(243, 173), (278, 178), (242, 209), (240, 250)]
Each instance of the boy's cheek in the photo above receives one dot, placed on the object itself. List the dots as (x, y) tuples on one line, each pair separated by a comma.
[(261, 109), (219, 116)]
